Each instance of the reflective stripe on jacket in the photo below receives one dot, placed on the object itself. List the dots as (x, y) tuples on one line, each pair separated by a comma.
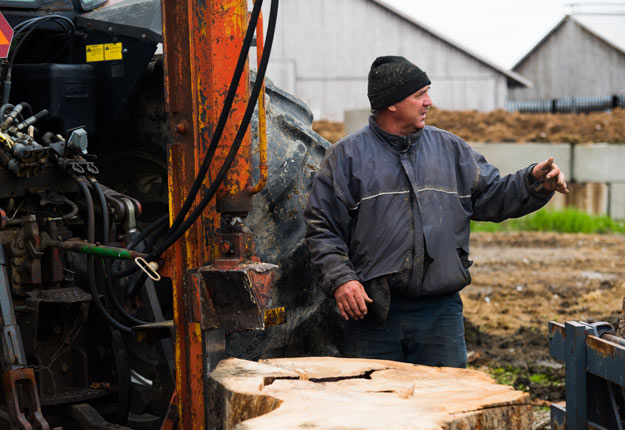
[(372, 204)]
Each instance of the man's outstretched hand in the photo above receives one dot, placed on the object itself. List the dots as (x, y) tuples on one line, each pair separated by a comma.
[(551, 175), (352, 300)]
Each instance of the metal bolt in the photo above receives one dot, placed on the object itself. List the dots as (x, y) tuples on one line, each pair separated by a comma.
[(181, 127), (64, 368), (225, 247)]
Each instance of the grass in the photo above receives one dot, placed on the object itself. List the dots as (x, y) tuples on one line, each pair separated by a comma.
[(504, 375), (568, 220)]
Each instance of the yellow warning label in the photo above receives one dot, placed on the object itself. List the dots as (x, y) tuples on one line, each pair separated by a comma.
[(95, 53), (112, 51), (104, 52)]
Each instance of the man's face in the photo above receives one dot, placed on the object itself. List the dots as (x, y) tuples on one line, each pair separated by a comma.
[(410, 112)]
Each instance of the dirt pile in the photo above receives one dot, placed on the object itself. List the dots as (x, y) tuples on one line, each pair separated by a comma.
[(502, 126)]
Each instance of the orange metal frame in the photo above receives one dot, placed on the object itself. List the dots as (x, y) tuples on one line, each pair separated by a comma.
[(202, 43)]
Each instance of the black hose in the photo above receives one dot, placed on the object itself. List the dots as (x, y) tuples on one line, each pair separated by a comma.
[(105, 212), (223, 117), (31, 27), (90, 260), (159, 225), (108, 285), (262, 68), (175, 230), (175, 233)]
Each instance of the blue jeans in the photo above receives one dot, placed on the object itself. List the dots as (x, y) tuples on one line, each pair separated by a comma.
[(426, 330)]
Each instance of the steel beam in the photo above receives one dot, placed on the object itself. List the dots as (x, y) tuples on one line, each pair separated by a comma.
[(201, 47)]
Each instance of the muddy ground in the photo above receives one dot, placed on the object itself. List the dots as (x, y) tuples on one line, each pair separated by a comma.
[(521, 281), (502, 126)]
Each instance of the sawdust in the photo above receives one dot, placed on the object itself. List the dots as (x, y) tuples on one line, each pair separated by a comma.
[(502, 126)]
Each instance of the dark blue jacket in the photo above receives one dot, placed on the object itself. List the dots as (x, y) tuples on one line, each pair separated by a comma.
[(379, 200)]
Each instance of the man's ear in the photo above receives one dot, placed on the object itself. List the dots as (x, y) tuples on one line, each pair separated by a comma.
[(392, 108)]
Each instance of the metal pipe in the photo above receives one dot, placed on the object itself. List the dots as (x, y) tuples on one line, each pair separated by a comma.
[(262, 118), (94, 249), (13, 355), (614, 339)]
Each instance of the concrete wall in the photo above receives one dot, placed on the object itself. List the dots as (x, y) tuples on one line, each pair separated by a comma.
[(510, 157), (594, 172)]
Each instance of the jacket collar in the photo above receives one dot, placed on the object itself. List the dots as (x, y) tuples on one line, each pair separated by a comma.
[(400, 143)]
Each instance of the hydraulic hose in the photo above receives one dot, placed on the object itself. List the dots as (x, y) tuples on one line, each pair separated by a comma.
[(30, 26), (160, 225), (262, 68), (90, 260), (223, 117), (105, 212), (179, 227), (108, 284)]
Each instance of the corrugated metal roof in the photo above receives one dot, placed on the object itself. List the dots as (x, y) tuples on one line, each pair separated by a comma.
[(513, 76)]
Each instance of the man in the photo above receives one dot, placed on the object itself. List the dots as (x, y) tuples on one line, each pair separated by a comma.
[(388, 222)]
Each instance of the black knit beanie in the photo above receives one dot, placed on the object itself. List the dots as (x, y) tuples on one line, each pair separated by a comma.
[(392, 79)]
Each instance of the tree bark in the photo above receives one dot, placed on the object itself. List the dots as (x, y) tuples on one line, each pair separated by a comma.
[(340, 393)]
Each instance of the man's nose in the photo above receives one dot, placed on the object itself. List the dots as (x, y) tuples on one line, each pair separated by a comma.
[(427, 101)]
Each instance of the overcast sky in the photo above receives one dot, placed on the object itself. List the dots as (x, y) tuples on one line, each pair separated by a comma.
[(501, 31)]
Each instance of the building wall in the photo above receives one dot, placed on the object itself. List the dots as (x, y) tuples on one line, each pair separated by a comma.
[(324, 48), (572, 62)]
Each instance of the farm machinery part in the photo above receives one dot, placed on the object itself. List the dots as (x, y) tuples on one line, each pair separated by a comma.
[(59, 360), (72, 312), (595, 376), (219, 284)]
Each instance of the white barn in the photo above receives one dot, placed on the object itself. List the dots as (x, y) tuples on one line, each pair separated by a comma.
[(582, 56), (323, 50)]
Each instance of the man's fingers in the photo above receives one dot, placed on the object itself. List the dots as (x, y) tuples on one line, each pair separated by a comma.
[(352, 300), (554, 172), (546, 165), (362, 306), (562, 187), (543, 168), (355, 304), (342, 311)]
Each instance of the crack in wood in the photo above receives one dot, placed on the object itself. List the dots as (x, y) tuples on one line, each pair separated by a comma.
[(268, 380)]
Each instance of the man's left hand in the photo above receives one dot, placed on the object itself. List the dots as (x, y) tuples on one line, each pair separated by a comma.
[(552, 176)]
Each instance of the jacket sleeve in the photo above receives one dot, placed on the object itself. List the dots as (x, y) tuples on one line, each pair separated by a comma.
[(328, 226), (495, 198)]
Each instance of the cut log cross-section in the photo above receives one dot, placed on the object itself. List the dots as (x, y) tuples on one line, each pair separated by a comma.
[(340, 393)]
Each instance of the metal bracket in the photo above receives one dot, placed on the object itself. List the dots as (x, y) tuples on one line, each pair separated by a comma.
[(20, 384), (593, 366)]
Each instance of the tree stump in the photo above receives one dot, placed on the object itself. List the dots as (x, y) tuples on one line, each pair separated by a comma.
[(341, 393)]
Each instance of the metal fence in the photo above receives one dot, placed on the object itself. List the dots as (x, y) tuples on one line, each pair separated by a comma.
[(568, 105)]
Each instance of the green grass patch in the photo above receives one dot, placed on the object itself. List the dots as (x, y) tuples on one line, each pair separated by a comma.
[(504, 375), (568, 220)]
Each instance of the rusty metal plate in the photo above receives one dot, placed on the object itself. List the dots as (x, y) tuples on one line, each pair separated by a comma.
[(238, 295), (275, 316)]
